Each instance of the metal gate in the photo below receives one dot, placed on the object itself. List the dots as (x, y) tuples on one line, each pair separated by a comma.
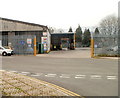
[(20, 44), (105, 45), (65, 43)]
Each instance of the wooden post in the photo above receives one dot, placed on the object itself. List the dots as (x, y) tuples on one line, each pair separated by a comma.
[(92, 48), (35, 46)]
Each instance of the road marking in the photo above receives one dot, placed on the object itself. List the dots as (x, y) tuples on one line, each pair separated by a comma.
[(67, 92), (111, 77), (25, 72), (65, 76), (37, 74), (50, 75), (80, 76), (95, 77)]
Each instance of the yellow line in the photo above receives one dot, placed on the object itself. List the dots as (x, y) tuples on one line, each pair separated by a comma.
[(68, 92)]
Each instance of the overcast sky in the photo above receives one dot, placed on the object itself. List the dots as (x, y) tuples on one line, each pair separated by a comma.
[(59, 13)]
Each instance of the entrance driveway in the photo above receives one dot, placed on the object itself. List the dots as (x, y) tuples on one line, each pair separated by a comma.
[(77, 53), (73, 70)]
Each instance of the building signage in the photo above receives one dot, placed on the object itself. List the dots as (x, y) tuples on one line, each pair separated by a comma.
[(44, 33), (29, 41), (43, 40), (22, 42)]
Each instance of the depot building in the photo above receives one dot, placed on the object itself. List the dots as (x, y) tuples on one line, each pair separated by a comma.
[(20, 35)]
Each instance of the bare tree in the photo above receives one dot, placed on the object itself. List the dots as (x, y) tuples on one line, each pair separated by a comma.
[(60, 30), (109, 25), (51, 30)]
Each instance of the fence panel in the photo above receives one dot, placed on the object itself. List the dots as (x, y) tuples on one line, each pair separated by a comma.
[(105, 45), (20, 44)]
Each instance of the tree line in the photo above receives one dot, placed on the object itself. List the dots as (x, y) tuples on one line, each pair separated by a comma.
[(82, 38), (107, 26)]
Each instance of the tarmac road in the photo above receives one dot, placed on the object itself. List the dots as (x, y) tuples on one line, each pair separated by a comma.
[(82, 75)]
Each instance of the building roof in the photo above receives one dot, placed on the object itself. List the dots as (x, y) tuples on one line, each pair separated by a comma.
[(69, 33), (22, 22), (16, 25)]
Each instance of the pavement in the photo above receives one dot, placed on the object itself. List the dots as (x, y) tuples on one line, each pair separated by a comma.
[(73, 70), (13, 84), (112, 58)]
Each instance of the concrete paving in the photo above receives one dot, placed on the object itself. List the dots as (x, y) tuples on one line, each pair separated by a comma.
[(77, 53)]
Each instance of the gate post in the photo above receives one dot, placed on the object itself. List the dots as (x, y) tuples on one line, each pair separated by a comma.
[(92, 48), (35, 46)]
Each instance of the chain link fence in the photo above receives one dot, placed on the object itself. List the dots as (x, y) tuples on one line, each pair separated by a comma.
[(106, 45), (20, 44)]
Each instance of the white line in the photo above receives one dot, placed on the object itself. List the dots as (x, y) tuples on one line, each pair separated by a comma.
[(35, 75), (65, 76), (95, 77), (80, 76), (25, 72), (111, 77), (50, 75)]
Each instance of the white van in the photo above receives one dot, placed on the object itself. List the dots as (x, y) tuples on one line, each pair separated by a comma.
[(4, 51)]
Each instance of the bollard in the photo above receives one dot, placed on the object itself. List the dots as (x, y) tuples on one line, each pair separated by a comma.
[(34, 46), (92, 48)]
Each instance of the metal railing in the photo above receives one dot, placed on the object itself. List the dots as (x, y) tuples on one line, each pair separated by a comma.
[(20, 44), (105, 45)]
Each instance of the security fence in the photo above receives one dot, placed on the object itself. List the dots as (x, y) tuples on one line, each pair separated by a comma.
[(78, 44), (105, 45), (20, 44)]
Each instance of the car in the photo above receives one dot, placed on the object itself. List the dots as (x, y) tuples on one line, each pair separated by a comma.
[(115, 48), (4, 51)]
